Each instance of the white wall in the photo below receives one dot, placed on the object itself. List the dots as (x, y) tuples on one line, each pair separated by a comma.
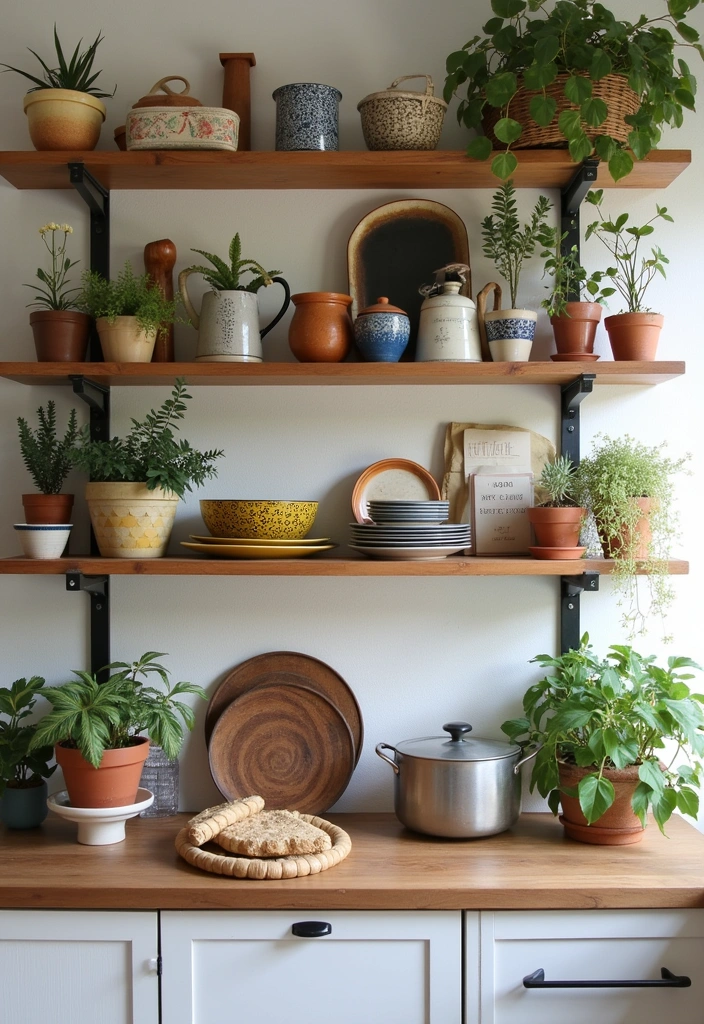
[(416, 652)]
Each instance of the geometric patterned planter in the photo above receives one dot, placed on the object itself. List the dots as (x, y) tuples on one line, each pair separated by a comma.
[(130, 521)]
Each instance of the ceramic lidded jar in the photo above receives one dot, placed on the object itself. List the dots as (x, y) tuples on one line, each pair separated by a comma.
[(448, 330), (306, 116), (381, 332)]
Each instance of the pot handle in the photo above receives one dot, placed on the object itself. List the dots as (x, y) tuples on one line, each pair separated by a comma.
[(385, 746), (481, 310), (195, 319), (287, 300), (528, 757)]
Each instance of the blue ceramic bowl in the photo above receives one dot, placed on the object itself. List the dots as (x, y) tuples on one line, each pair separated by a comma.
[(382, 337)]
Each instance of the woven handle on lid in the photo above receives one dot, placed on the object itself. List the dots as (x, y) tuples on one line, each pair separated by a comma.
[(161, 85)]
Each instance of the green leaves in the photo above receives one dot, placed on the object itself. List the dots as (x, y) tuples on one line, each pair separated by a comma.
[(620, 164), (227, 277), (500, 88), (73, 74), (128, 295), (504, 165), (596, 795), (480, 148), (507, 130), (505, 242), (542, 109), (508, 8), (47, 457)]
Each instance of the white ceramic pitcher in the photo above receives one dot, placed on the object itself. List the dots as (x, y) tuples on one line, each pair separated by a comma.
[(228, 324)]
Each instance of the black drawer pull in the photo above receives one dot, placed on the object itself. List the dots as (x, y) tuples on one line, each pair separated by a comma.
[(669, 980), (311, 929)]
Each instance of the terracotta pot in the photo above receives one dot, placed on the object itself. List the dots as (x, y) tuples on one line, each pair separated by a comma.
[(643, 535), (123, 342), (130, 521), (63, 119), (47, 509), (113, 784), (576, 329), (321, 328), (556, 527), (634, 336), (619, 826), (60, 335)]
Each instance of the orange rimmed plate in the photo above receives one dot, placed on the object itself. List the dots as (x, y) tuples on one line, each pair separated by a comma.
[(392, 480)]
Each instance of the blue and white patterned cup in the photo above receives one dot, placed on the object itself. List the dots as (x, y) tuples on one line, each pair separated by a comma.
[(510, 334), (306, 116)]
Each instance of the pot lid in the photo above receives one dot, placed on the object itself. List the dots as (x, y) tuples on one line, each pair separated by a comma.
[(382, 305), (161, 95), (458, 746)]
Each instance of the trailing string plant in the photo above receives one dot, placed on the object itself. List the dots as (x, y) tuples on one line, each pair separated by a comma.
[(128, 295), (527, 44), (569, 278), (226, 277), (150, 453), (508, 244), (47, 457), (94, 717), (612, 713), (21, 768), (76, 73), (53, 291)]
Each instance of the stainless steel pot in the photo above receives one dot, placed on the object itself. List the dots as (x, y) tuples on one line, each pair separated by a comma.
[(461, 788)]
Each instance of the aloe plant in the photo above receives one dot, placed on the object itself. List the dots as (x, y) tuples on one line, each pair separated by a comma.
[(74, 74), (227, 278)]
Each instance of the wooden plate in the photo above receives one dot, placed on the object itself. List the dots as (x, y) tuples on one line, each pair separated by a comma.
[(392, 479), (293, 669), (287, 743)]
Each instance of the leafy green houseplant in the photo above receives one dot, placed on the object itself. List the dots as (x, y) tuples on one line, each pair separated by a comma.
[(612, 733), (557, 518), (47, 458), (574, 321), (63, 107), (98, 725), (629, 488), (137, 481), (60, 330), (564, 73), (22, 772), (227, 276)]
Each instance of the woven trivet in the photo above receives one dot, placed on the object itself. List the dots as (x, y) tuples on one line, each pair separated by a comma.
[(213, 820), (269, 868)]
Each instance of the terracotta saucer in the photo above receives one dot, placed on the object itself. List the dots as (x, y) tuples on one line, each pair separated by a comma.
[(575, 357), (555, 553), (599, 836)]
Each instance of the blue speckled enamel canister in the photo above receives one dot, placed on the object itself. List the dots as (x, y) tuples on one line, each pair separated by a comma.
[(306, 116)]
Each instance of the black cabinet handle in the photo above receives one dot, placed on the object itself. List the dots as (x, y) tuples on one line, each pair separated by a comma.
[(669, 980), (311, 929)]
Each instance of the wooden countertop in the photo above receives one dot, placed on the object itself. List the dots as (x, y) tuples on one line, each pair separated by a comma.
[(531, 867)]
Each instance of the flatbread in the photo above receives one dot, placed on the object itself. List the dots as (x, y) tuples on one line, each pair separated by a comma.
[(273, 834), (206, 825)]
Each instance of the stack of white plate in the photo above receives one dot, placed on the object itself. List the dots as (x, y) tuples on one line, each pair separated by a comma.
[(410, 540), (406, 512)]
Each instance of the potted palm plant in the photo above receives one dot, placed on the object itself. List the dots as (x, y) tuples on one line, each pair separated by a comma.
[(137, 481), (572, 74), (602, 726), (60, 329), (574, 321), (633, 334), (629, 488), (228, 324), (23, 773), (63, 107), (557, 519), (129, 313), (509, 332), (48, 461), (97, 729)]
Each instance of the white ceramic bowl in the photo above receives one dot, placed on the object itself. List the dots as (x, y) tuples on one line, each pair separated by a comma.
[(43, 541), (99, 826)]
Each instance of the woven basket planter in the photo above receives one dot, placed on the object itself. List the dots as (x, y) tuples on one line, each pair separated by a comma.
[(613, 89)]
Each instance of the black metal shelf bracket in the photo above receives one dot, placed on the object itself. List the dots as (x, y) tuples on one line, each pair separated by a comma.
[(572, 396), (97, 199), (97, 398), (571, 197), (572, 588), (98, 589)]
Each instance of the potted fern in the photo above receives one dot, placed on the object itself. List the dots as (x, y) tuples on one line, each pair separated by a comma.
[(228, 324), (558, 518), (129, 313), (97, 729), (137, 481), (48, 461), (23, 789)]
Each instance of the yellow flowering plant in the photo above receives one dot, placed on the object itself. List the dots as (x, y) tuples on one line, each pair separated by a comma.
[(53, 291)]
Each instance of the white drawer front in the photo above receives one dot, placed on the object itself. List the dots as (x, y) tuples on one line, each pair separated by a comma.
[(591, 945)]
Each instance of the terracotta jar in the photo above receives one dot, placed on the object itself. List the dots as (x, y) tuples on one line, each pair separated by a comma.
[(634, 336), (640, 543), (60, 335), (321, 328), (575, 331), (47, 509), (619, 826)]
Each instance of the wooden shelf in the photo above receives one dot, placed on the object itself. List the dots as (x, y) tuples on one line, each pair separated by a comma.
[(348, 169), (455, 565), (329, 374)]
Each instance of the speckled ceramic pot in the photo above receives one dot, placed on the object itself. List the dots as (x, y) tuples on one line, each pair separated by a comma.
[(381, 332), (402, 120), (306, 116), (276, 520)]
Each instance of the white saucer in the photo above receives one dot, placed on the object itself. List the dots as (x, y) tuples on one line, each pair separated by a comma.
[(99, 826)]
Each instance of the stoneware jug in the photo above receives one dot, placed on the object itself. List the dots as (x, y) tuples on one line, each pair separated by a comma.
[(228, 324), (448, 330)]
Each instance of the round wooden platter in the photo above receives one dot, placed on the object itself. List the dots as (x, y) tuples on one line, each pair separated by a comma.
[(261, 868), (288, 743), (296, 670)]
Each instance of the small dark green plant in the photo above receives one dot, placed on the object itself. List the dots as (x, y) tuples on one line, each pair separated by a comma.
[(569, 278), (53, 290), (613, 713), (128, 295), (630, 277), (94, 717), (21, 768), (224, 277), (558, 483), (48, 459), (150, 453), (528, 43), (77, 74), (505, 242)]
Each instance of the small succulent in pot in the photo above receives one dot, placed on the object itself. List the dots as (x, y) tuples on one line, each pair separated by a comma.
[(558, 517)]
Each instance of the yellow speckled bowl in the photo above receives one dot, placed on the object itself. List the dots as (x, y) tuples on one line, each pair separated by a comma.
[(277, 520)]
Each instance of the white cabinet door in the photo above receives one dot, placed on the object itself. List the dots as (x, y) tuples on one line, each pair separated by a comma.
[(374, 967), (591, 945), (78, 967)]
